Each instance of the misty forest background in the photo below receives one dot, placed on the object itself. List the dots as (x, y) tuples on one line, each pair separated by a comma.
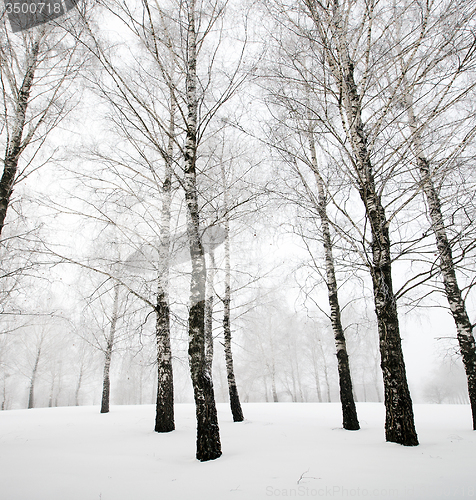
[(96, 131)]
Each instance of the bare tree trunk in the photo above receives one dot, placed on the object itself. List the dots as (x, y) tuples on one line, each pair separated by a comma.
[(208, 436), (106, 385), (272, 368), (456, 302), (4, 393), (31, 394), (273, 384), (328, 386), (349, 411), (399, 425), (316, 376), (78, 385), (164, 419), (235, 404), (14, 145), (299, 384), (52, 391)]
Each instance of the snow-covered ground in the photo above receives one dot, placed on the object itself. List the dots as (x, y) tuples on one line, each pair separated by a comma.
[(281, 450)]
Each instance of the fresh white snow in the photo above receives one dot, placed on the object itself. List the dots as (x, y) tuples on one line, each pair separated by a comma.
[(282, 450)]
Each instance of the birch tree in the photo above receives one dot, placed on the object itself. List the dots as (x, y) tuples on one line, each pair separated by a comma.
[(235, 404), (106, 388), (350, 420), (295, 142), (208, 437), (38, 67), (331, 23)]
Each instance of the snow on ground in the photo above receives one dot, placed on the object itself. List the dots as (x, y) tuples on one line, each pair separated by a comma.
[(282, 450)]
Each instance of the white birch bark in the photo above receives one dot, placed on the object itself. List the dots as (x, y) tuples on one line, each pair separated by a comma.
[(208, 437)]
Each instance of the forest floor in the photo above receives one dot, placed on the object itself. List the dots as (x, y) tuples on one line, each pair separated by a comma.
[(280, 450)]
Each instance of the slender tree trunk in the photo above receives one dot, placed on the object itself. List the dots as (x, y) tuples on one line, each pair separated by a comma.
[(208, 435), (4, 399), (52, 391), (328, 386), (141, 384), (4, 392), (78, 385), (349, 411), (464, 328), (299, 384), (316, 377), (273, 383), (14, 146), (235, 404), (164, 419), (272, 368), (31, 394), (106, 385), (211, 271), (399, 425)]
